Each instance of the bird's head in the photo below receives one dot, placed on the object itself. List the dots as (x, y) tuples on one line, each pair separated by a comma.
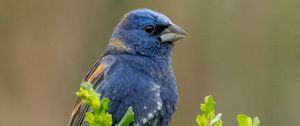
[(145, 32)]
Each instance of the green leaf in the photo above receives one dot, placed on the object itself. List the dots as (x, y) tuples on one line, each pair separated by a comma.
[(209, 105), (127, 118), (244, 120), (105, 103)]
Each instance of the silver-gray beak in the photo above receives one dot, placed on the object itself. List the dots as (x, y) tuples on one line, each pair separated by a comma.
[(173, 33)]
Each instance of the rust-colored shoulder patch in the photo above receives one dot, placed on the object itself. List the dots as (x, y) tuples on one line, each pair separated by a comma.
[(95, 74), (119, 44)]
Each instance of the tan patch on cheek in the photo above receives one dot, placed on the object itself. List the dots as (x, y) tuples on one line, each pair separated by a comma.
[(96, 73), (117, 43)]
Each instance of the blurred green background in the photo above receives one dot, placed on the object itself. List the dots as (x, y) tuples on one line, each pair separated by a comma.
[(246, 53)]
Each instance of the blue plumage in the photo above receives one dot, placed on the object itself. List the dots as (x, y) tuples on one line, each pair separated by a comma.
[(135, 70)]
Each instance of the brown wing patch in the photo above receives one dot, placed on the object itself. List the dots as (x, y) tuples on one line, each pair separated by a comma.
[(95, 72)]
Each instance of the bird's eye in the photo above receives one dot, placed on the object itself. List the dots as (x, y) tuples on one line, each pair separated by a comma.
[(150, 29)]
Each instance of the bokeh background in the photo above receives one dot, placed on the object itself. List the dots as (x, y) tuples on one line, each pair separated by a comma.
[(246, 53)]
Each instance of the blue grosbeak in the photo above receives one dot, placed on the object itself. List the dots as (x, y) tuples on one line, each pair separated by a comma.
[(136, 70)]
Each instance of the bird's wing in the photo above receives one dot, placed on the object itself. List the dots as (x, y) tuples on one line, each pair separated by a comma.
[(94, 76)]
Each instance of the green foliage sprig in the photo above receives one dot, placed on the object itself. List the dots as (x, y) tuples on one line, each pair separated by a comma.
[(208, 117), (98, 115)]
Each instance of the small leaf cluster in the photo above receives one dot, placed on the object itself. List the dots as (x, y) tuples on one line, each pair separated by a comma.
[(98, 115), (208, 117)]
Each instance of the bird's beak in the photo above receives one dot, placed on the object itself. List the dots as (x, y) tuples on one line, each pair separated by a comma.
[(173, 33)]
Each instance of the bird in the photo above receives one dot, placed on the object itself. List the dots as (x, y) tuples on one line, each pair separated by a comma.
[(136, 70)]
